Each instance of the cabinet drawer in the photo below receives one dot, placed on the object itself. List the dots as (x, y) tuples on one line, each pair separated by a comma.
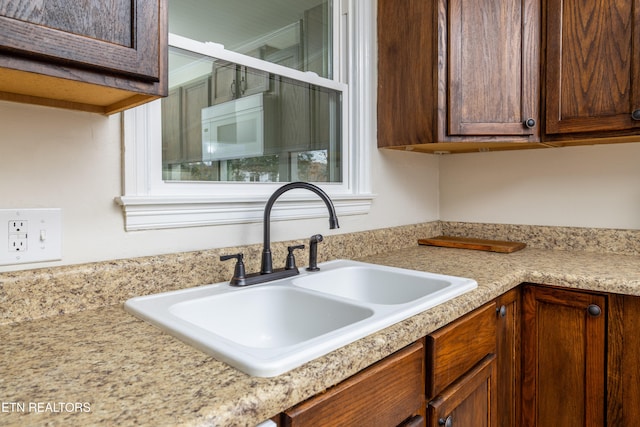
[(457, 347), (384, 394)]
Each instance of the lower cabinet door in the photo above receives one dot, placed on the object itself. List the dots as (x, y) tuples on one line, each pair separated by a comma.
[(468, 401), (387, 394), (564, 341)]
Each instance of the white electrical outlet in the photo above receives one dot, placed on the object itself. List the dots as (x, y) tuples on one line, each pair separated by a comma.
[(30, 235)]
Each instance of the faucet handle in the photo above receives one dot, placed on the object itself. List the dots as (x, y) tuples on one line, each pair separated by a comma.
[(291, 260), (238, 271)]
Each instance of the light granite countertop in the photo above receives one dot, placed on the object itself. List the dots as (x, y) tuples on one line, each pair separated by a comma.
[(103, 366)]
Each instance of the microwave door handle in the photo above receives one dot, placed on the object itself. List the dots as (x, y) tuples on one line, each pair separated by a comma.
[(243, 85)]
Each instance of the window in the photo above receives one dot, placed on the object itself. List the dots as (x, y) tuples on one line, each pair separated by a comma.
[(258, 97)]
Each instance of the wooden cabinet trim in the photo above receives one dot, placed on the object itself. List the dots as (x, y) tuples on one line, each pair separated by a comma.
[(508, 358)]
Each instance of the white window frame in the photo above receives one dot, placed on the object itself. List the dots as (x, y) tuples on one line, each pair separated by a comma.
[(149, 202)]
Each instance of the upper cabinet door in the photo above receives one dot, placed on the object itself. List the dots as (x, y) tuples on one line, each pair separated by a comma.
[(493, 58), (88, 55), (113, 36), (458, 71), (592, 66)]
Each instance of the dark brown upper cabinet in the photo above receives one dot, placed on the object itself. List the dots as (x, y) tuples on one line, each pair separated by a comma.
[(592, 68), (458, 75), (84, 54)]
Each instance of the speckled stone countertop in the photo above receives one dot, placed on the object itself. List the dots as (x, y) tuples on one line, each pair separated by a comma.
[(102, 366)]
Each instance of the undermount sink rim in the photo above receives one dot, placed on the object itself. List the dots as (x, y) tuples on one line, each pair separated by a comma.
[(270, 362)]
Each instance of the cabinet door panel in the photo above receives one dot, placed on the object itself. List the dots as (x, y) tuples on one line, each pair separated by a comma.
[(224, 85), (195, 98), (491, 61), (469, 401), (592, 63), (76, 17), (171, 127), (564, 361), (105, 36)]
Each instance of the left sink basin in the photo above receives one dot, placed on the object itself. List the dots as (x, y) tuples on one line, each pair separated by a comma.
[(268, 317), (263, 330)]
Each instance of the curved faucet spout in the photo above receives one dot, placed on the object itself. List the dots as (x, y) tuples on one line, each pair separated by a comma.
[(267, 266)]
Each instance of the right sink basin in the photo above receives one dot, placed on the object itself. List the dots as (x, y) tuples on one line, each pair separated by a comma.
[(376, 284)]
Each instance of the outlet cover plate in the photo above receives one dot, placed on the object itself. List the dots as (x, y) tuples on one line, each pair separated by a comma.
[(41, 234)]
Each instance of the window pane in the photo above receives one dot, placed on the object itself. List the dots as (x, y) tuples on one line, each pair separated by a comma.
[(227, 122), (299, 31)]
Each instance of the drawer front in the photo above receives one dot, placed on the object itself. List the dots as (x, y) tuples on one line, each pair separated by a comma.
[(457, 347), (384, 394)]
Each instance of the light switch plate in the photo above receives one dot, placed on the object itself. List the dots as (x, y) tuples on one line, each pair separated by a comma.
[(30, 235)]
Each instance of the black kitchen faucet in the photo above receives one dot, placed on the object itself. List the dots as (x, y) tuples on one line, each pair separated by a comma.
[(267, 273)]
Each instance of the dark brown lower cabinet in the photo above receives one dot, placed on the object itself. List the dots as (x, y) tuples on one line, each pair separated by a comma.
[(388, 393), (564, 357), (536, 356)]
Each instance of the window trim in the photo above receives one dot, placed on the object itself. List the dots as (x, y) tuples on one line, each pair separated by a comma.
[(150, 203)]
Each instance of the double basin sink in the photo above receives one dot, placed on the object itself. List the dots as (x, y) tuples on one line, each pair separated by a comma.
[(268, 329)]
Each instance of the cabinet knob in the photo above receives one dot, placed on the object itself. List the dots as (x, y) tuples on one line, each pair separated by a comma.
[(636, 114), (446, 422), (502, 310), (594, 310), (530, 123)]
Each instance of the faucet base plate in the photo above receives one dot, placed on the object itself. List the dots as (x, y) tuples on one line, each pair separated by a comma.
[(255, 278)]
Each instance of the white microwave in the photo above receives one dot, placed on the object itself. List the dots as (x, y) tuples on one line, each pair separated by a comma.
[(236, 129)]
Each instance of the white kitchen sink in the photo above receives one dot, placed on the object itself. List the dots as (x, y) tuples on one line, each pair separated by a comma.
[(271, 328)]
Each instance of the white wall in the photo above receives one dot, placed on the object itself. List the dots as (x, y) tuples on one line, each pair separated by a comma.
[(589, 186), (72, 160)]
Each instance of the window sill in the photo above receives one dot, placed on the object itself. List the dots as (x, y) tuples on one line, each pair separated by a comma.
[(160, 212)]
